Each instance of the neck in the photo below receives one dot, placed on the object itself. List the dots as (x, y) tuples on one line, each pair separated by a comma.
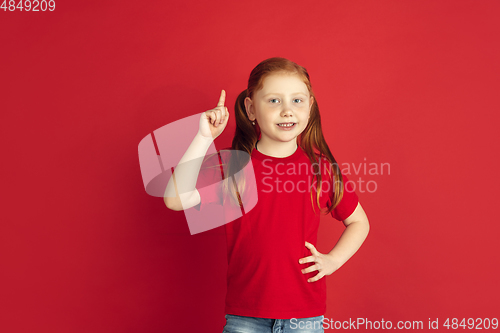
[(276, 148)]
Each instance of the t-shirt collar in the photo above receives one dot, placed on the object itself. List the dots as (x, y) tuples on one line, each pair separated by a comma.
[(260, 156)]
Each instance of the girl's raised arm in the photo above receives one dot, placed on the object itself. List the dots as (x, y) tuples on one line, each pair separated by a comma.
[(181, 192)]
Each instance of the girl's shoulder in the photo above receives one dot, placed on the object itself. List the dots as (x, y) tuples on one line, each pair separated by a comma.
[(223, 158), (219, 154)]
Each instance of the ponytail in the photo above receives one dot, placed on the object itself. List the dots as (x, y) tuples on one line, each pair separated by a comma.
[(245, 137)]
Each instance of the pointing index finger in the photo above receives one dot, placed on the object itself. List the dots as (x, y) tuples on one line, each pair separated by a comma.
[(222, 98)]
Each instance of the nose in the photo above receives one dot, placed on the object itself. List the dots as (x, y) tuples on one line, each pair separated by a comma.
[(287, 110)]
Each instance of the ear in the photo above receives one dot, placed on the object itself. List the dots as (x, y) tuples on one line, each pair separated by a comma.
[(249, 108), (311, 101)]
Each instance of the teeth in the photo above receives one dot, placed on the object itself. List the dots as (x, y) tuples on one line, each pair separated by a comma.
[(286, 125)]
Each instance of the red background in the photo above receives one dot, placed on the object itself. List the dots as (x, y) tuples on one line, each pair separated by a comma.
[(83, 248)]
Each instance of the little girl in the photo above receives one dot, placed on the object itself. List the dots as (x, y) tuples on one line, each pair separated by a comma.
[(275, 280)]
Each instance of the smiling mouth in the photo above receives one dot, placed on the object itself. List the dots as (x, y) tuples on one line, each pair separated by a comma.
[(286, 124)]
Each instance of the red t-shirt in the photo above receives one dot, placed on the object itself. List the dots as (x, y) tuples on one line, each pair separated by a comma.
[(264, 277)]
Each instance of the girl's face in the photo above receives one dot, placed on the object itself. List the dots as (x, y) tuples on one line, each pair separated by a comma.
[(284, 100)]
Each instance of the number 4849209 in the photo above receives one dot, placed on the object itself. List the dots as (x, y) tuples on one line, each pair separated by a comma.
[(28, 5)]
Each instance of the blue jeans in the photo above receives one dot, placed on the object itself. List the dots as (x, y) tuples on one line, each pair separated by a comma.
[(241, 324)]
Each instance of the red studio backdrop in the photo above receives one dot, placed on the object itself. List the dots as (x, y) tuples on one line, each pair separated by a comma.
[(408, 93)]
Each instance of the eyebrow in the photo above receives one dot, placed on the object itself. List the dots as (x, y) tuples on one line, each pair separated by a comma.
[(295, 93)]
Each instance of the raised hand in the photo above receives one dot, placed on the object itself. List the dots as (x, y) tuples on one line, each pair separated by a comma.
[(325, 264), (213, 122)]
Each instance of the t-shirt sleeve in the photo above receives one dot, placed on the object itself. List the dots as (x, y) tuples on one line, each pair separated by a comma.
[(209, 182), (348, 203)]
